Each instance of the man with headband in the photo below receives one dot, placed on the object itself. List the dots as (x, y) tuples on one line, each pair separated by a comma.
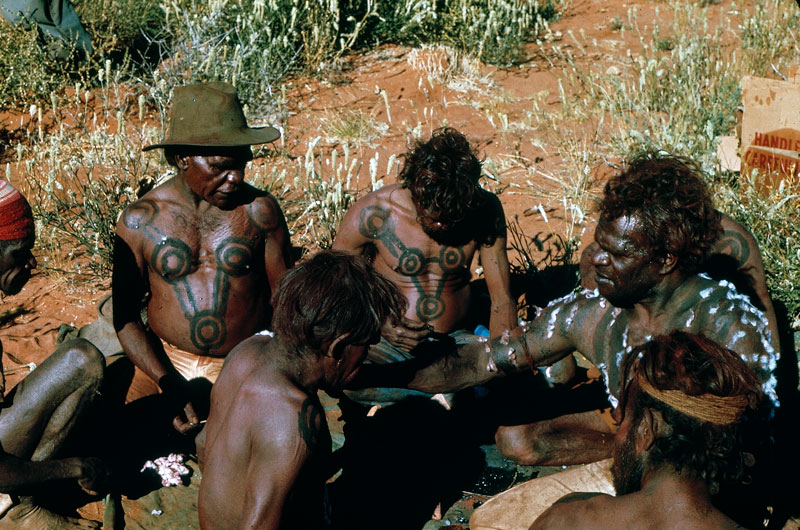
[(37, 415), (683, 398)]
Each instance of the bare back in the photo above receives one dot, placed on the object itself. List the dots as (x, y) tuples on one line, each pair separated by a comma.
[(264, 447), (207, 271), (636, 510)]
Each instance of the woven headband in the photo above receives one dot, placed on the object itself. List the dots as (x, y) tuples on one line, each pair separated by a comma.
[(706, 407), (16, 219)]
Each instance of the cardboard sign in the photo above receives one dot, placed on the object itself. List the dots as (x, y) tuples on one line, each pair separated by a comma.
[(771, 128)]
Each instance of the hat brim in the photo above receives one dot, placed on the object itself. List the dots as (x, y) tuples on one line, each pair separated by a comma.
[(246, 136)]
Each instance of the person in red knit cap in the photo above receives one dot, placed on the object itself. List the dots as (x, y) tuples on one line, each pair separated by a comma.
[(37, 415)]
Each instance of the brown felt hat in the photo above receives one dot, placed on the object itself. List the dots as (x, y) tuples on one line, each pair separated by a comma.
[(210, 115)]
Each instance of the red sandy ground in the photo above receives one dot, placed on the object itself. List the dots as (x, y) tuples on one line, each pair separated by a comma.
[(49, 300)]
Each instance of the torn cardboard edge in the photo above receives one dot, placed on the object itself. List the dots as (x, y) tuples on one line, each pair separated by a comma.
[(770, 130)]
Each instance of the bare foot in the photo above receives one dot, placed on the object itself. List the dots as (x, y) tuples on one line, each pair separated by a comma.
[(29, 516)]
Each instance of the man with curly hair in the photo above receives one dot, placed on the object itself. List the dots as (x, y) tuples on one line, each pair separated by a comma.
[(657, 224), (423, 233), (683, 399)]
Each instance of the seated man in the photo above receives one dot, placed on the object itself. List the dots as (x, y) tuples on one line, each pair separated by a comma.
[(735, 247), (423, 233), (734, 256), (657, 224), (37, 415), (202, 251), (266, 445), (682, 400)]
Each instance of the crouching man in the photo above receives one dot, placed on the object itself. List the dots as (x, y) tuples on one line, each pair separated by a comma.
[(683, 398), (37, 415), (265, 447)]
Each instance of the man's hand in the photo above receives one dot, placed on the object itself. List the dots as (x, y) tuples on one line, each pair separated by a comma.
[(94, 475), (188, 421), (407, 334), (179, 398)]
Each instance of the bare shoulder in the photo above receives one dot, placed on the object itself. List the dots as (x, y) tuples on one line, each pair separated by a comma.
[(574, 511), (143, 212), (586, 301), (736, 241), (264, 211), (389, 196), (243, 358)]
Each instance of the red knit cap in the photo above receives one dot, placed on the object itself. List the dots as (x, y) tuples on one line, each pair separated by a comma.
[(16, 218)]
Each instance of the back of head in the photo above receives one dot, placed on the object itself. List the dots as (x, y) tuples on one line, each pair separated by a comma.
[(668, 196), (16, 217), (703, 391), (442, 175), (331, 294)]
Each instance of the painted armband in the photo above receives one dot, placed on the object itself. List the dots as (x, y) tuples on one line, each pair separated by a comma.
[(504, 356)]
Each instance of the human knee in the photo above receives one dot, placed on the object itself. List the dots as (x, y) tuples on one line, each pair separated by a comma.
[(85, 360), (520, 444)]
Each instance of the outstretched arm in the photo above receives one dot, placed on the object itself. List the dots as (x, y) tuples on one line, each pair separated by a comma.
[(560, 329)]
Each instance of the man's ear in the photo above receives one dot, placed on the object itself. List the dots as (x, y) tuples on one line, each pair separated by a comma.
[(668, 264), (645, 431), (336, 347), (182, 162)]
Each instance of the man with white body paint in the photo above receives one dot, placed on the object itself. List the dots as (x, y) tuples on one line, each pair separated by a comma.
[(657, 224)]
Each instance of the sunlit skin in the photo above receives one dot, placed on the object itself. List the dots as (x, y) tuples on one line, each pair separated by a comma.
[(205, 250), (265, 447), (434, 277)]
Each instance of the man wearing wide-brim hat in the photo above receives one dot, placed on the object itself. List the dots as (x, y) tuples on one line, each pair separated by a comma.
[(203, 251)]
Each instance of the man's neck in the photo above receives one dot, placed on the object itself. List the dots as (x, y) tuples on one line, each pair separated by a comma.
[(683, 491), (302, 370), (660, 303)]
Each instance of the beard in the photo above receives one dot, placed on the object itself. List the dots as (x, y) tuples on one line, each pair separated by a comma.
[(627, 468)]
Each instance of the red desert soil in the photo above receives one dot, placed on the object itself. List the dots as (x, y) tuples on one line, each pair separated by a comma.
[(49, 300)]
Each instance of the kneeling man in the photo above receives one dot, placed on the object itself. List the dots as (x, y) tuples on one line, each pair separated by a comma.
[(683, 398), (264, 449)]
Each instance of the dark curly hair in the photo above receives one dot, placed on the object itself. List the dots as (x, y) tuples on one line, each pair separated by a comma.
[(668, 196), (330, 294), (442, 175), (693, 365)]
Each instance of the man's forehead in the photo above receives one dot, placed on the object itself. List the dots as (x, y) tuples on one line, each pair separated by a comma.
[(623, 231)]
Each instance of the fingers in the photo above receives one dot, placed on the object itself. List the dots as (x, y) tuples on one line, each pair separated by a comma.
[(191, 416), (190, 424), (415, 325), (183, 427)]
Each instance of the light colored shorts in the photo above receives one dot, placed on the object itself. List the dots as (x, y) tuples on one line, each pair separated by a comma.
[(189, 365)]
